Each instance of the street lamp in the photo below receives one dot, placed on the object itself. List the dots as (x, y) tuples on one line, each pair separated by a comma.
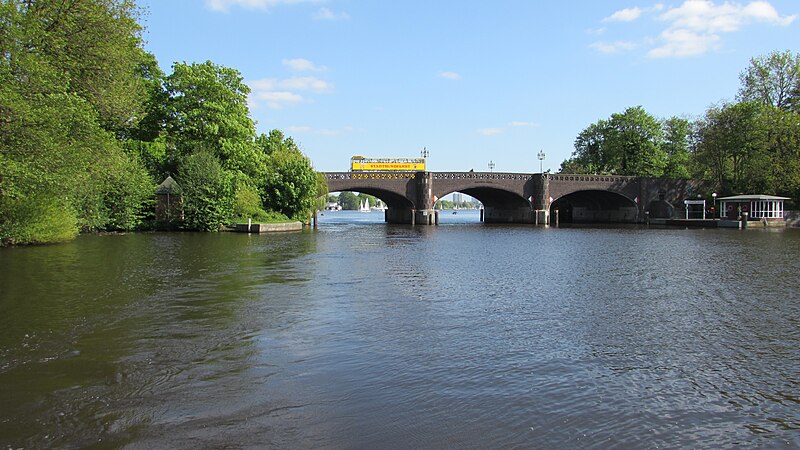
[(541, 158), (424, 153), (714, 195), (491, 165)]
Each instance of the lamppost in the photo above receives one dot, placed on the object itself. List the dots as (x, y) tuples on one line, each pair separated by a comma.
[(491, 165), (424, 152), (541, 158), (714, 196)]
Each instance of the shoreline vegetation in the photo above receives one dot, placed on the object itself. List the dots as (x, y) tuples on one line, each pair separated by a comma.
[(83, 150)]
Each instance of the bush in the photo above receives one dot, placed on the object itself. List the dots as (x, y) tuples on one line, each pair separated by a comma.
[(36, 220), (208, 192)]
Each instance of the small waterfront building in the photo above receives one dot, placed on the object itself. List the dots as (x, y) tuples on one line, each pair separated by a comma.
[(169, 204), (767, 208)]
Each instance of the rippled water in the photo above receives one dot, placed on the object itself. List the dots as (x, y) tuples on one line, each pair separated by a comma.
[(364, 335)]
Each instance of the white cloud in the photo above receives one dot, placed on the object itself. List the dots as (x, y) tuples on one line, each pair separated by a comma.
[(225, 5), (274, 99), (693, 28), (490, 131), (683, 43), (624, 15), (280, 93), (696, 26), (613, 47), (303, 65), (327, 14), (295, 83), (450, 75)]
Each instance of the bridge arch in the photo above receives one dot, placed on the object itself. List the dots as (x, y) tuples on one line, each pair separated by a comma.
[(391, 199), (499, 205), (595, 206)]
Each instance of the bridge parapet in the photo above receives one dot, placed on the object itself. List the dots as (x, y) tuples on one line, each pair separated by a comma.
[(332, 176), (481, 176), (591, 178)]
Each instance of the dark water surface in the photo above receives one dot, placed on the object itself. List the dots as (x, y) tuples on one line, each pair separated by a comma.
[(363, 335)]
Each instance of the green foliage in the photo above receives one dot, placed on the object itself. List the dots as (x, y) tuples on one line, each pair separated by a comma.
[(208, 192), (728, 143), (263, 217), (88, 121), (773, 80), (93, 46), (290, 186), (67, 83), (349, 201), (207, 109), (628, 143), (247, 202), (677, 133), (128, 197), (36, 219)]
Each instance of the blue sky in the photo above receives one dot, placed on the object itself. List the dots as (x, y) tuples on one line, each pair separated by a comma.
[(471, 81)]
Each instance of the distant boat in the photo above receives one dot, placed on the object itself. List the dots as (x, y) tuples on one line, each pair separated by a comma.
[(380, 206), (364, 206)]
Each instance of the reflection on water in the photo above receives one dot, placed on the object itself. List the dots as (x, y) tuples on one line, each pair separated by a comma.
[(363, 334)]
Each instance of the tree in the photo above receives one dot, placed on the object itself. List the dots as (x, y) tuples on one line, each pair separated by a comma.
[(207, 109), (349, 201), (728, 142), (67, 83), (290, 185), (677, 132), (92, 45), (590, 153), (628, 143), (208, 192), (634, 141), (772, 80)]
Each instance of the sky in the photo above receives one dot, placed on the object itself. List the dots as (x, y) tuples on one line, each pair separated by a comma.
[(469, 81)]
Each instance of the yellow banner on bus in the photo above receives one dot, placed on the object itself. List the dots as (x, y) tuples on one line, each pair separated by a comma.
[(388, 166)]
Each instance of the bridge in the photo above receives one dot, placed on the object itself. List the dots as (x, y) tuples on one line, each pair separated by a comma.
[(523, 197)]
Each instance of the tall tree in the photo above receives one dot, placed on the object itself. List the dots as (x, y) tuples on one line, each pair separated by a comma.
[(207, 109), (634, 141), (628, 143), (773, 80), (290, 185), (677, 132), (590, 152), (67, 81), (728, 143)]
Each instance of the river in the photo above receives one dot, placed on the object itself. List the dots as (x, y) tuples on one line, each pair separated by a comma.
[(366, 335)]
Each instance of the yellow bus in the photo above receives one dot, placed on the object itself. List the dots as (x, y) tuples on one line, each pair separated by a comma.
[(362, 164)]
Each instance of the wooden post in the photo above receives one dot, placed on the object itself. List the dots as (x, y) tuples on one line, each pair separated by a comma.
[(556, 218)]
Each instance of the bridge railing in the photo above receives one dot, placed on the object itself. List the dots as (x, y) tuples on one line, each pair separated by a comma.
[(370, 175), (594, 178), (481, 176)]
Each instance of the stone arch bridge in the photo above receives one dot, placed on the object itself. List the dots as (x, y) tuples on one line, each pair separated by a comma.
[(523, 197)]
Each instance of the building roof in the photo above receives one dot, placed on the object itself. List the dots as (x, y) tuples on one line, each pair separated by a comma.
[(169, 186), (751, 197)]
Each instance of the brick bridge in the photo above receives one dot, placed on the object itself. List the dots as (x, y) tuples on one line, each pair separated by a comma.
[(523, 197)]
